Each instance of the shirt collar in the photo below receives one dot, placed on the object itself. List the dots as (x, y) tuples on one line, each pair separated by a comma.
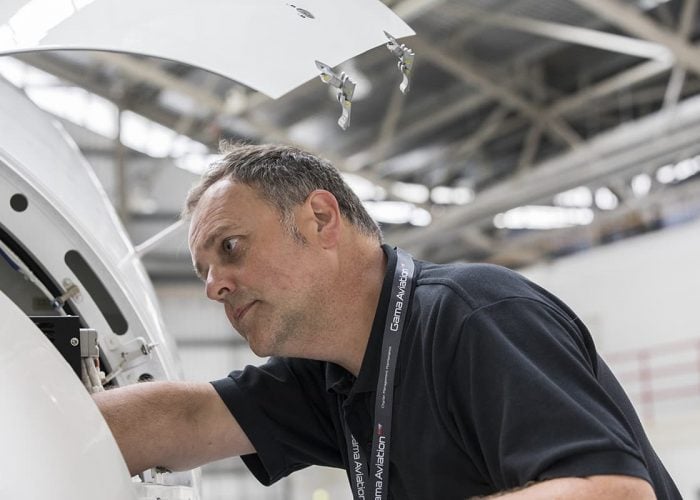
[(338, 378)]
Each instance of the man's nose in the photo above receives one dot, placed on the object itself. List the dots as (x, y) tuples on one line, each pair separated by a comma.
[(218, 285)]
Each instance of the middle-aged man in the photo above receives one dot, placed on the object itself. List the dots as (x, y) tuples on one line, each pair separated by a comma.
[(422, 381)]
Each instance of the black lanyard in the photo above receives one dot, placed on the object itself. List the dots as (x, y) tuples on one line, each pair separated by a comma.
[(376, 487)]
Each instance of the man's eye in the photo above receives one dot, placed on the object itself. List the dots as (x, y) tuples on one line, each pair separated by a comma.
[(229, 245)]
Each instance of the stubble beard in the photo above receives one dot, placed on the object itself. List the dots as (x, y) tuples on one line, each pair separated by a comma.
[(288, 333), (282, 337)]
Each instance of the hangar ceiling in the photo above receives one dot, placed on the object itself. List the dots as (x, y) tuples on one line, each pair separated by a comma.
[(577, 117)]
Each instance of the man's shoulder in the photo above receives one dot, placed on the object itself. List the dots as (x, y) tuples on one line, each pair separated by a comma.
[(473, 284)]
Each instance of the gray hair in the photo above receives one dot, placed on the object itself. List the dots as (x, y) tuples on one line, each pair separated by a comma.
[(284, 176)]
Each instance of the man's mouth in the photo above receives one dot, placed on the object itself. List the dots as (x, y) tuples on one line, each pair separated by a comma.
[(241, 311)]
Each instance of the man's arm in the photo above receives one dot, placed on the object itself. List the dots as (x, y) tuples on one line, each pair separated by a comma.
[(177, 425), (588, 488)]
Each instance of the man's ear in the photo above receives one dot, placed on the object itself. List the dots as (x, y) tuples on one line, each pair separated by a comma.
[(326, 216)]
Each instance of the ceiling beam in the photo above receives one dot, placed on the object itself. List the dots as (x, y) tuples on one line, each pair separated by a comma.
[(76, 75), (144, 71), (460, 151), (570, 34), (566, 105), (677, 80), (563, 106), (530, 248), (419, 127), (489, 126), (410, 9), (641, 72), (620, 81), (474, 77), (634, 21), (569, 104), (387, 130), (661, 137), (269, 132), (530, 147)]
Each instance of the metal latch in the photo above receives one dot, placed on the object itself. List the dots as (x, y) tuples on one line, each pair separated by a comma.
[(136, 349), (406, 57), (88, 344), (71, 292), (346, 89), (92, 377)]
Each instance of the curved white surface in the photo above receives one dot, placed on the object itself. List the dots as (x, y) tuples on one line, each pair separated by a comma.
[(42, 158), (68, 210), (55, 443), (268, 45)]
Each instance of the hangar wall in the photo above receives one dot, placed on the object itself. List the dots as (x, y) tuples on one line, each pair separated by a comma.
[(639, 297)]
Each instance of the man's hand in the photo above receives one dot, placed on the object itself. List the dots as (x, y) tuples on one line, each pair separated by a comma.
[(588, 488), (176, 425)]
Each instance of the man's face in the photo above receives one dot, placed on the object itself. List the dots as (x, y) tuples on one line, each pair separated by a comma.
[(253, 266)]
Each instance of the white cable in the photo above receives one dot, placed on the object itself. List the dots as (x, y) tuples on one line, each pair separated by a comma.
[(94, 376), (84, 375)]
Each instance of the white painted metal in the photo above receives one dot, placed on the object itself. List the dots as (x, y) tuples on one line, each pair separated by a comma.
[(269, 45), (68, 210), (55, 442)]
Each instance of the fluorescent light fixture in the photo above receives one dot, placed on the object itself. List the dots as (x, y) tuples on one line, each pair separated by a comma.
[(408, 163), (312, 131), (420, 217), (196, 163), (363, 187), (180, 102), (678, 172), (415, 193), (391, 212), (650, 4), (543, 217), (397, 212), (444, 195), (641, 185), (134, 130), (22, 75), (665, 174), (687, 168), (100, 116), (183, 145), (605, 199), (580, 197), (67, 102)]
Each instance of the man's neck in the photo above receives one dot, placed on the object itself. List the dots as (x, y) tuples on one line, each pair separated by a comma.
[(362, 286)]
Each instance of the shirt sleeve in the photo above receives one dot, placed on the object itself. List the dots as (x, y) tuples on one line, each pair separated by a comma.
[(526, 402), (281, 408)]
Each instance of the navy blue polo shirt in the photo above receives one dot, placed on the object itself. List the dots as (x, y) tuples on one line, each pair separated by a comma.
[(498, 384)]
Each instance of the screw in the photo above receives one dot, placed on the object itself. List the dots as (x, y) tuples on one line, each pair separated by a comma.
[(74, 342)]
